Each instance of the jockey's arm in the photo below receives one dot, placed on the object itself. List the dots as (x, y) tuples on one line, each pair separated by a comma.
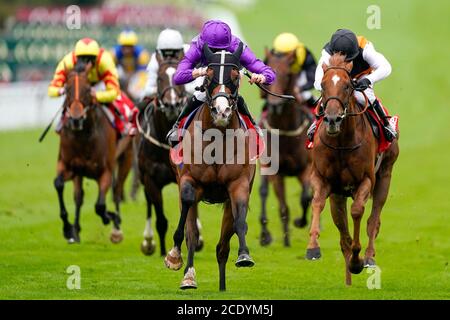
[(309, 70), (325, 58), (191, 58), (108, 74), (252, 63), (152, 76), (143, 60), (56, 87), (381, 67)]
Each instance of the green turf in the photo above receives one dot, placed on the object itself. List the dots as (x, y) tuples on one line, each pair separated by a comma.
[(413, 247)]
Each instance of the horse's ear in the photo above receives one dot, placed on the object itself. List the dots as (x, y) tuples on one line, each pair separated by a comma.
[(291, 56), (324, 66), (207, 52), (267, 52), (349, 66), (158, 58), (89, 66), (237, 54)]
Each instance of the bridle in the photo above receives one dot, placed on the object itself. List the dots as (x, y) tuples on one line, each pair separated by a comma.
[(342, 103), (207, 86), (161, 93), (77, 99), (345, 107)]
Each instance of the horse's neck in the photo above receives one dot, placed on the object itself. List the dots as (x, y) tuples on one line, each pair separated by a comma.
[(160, 124), (288, 118)]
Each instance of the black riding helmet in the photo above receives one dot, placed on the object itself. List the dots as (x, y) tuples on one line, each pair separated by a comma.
[(345, 41)]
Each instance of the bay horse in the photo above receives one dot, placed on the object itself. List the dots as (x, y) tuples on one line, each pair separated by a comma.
[(153, 154), (87, 148), (291, 119), (228, 182), (344, 157)]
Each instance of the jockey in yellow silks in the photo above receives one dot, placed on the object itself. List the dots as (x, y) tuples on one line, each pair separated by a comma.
[(121, 109)]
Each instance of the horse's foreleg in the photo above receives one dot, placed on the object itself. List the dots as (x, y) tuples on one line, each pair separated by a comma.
[(239, 196), (192, 235), (321, 192), (338, 206), (135, 170), (278, 184), (173, 259), (361, 196), (265, 237), (61, 177), (78, 198), (161, 221), (305, 198), (223, 247), (148, 244), (124, 166), (380, 194)]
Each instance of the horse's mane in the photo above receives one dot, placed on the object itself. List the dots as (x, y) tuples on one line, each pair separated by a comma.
[(337, 60)]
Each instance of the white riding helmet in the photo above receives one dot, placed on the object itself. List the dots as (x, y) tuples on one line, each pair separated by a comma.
[(169, 39)]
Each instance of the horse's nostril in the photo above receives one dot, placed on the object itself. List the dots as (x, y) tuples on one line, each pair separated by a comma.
[(325, 119), (339, 119)]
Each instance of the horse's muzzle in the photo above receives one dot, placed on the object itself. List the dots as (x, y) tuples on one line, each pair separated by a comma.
[(76, 124), (333, 124)]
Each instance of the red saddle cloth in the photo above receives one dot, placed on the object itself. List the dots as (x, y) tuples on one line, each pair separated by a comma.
[(383, 144), (257, 144), (124, 114)]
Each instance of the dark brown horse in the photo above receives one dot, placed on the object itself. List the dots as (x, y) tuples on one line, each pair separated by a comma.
[(154, 165), (291, 120), (88, 149), (344, 157), (208, 176)]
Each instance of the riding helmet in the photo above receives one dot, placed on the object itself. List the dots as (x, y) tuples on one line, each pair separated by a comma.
[(345, 41)]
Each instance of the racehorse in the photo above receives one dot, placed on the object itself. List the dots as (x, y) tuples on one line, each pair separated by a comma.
[(88, 149), (153, 154), (228, 182), (291, 119), (344, 158)]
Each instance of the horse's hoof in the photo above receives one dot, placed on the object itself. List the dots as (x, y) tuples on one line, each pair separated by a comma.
[(265, 238), (300, 223), (356, 267), (148, 246), (188, 281), (313, 254), (173, 260), (116, 236), (200, 244), (71, 241), (369, 263), (244, 260)]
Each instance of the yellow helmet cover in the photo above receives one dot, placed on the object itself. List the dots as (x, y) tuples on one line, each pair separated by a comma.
[(287, 42), (87, 47)]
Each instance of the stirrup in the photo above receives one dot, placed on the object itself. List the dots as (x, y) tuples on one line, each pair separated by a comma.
[(390, 133), (172, 137)]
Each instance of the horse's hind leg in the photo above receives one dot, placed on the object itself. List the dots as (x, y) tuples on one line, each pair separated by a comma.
[(104, 184), (278, 184), (265, 238), (223, 247), (357, 210), (338, 206), (192, 235), (78, 197), (135, 170), (305, 198), (380, 194), (59, 186)]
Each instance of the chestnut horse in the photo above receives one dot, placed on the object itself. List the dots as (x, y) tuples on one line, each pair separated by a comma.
[(291, 119), (87, 149), (153, 154), (344, 157), (218, 181)]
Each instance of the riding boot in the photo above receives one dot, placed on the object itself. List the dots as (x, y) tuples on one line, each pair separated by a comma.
[(389, 131), (313, 127), (243, 109), (172, 135)]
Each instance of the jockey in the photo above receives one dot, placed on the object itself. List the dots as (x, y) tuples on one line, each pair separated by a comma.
[(169, 45), (304, 65), (104, 70), (127, 54), (217, 35), (369, 67)]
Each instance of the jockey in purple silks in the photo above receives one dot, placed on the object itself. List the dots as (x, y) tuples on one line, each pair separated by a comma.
[(217, 35)]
